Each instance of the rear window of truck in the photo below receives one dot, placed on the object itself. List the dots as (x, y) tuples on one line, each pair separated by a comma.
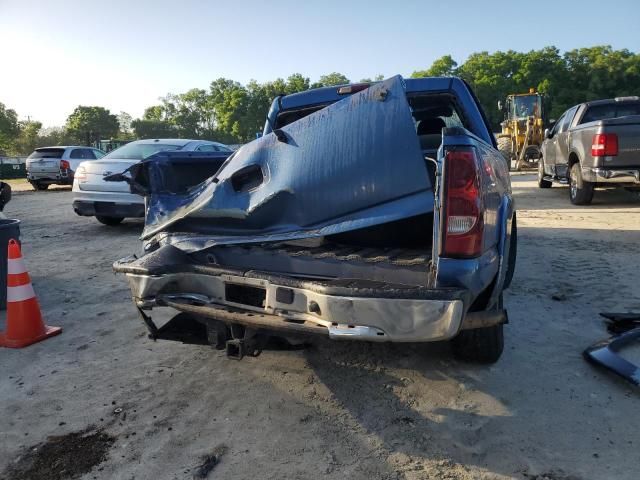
[(427, 107), (610, 110)]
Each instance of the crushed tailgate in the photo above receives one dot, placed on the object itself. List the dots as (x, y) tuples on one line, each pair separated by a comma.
[(351, 165)]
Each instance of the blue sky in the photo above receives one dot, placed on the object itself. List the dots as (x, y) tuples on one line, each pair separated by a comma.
[(123, 55)]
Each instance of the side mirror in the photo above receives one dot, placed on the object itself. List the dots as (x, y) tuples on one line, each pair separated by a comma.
[(546, 133), (500, 105)]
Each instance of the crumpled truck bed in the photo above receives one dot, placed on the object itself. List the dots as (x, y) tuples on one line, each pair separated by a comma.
[(354, 164)]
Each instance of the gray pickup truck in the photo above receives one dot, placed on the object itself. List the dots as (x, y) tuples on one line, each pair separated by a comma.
[(593, 144)]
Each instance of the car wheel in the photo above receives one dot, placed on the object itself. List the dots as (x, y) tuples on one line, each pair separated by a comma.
[(39, 186), (580, 191), (542, 183), (504, 146), (480, 345), (111, 221)]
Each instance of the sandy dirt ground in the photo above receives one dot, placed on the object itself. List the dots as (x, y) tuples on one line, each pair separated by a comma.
[(333, 410)]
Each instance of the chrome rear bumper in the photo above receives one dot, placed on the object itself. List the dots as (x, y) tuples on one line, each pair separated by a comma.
[(340, 309), (610, 175)]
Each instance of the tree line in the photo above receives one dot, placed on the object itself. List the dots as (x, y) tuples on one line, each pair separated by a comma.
[(230, 112)]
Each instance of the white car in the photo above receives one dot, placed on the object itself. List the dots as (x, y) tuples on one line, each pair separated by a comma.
[(57, 165), (112, 202)]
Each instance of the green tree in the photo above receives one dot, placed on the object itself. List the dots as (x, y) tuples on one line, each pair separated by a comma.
[(155, 112), (231, 112), (9, 129), (51, 136), (442, 67), (124, 123), (230, 102), (90, 124), (28, 138), (144, 129), (331, 79), (296, 83)]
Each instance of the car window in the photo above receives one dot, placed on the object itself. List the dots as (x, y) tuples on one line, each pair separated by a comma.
[(48, 153), (558, 123), (610, 110), (207, 148), (140, 151), (98, 153), (82, 154), (222, 148), (568, 117)]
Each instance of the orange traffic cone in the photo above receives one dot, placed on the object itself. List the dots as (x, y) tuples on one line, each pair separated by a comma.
[(24, 322)]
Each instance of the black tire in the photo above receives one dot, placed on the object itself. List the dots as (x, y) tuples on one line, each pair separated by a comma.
[(39, 186), (542, 183), (580, 191), (504, 146), (111, 221), (480, 345)]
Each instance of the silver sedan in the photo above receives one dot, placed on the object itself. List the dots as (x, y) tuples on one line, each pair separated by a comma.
[(112, 202)]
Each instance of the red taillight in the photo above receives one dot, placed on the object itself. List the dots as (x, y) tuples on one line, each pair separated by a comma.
[(604, 145), (64, 165), (464, 215)]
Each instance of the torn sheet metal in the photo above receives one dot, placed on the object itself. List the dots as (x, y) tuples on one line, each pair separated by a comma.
[(621, 322), (354, 164), (605, 353), (170, 171)]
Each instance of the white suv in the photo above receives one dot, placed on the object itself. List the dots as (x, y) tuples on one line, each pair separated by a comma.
[(57, 165)]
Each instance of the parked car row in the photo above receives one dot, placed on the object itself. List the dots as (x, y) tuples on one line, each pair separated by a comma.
[(593, 144), (86, 169)]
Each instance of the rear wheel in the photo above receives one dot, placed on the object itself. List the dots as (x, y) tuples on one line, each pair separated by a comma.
[(39, 186), (504, 145), (542, 183), (481, 345), (580, 191), (111, 221)]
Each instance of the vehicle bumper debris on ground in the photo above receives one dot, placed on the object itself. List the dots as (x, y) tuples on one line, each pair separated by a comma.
[(626, 327)]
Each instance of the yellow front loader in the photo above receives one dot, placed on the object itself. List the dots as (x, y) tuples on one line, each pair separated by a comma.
[(522, 129)]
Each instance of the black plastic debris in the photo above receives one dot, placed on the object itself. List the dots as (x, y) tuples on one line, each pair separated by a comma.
[(209, 462), (621, 322), (626, 330)]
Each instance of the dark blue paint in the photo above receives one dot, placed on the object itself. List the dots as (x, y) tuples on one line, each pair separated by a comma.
[(354, 164)]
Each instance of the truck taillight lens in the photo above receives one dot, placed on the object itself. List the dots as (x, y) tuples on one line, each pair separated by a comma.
[(64, 165), (81, 174), (604, 145), (464, 212)]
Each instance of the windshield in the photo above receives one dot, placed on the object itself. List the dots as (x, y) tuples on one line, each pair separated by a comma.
[(140, 151), (526, 106), (47, 153)]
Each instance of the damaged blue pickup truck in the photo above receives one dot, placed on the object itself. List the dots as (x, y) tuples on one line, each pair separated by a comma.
[(379, 212)]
